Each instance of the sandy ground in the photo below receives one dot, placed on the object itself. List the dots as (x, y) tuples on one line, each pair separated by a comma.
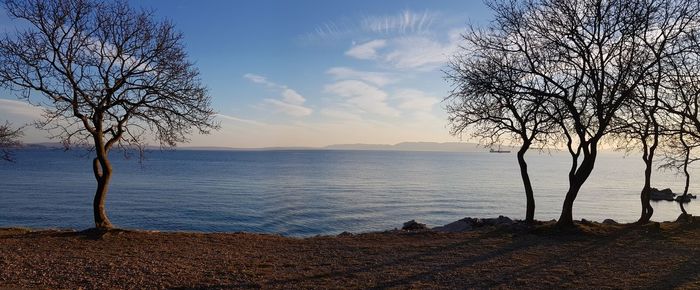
[(595, 256)]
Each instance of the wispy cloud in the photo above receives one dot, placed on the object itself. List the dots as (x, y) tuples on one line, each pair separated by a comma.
[(367, 50), (416, 100), (258, 79), (421, 53), (292, 97), (291, 103), (23, 114), (398, 49), (20, 110), (406, 40), (340, 113), (287, 108), (376, 78), (405, 22), (240, 120), (363, 96), (415, 52), (330, 29)]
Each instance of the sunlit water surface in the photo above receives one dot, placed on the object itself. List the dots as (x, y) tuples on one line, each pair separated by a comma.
[(302, 193)]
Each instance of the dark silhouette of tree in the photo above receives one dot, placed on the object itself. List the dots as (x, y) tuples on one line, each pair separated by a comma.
[(666, 101), (9, 138), (486, 104), (587, 59), (682, 106), (678, 157), (638, 126), (113, 76)]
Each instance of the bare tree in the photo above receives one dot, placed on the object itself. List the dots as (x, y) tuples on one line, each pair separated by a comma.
[(110, 73), (638, 126), (9, 138), (662, 105), (587, 59), (485, 104), (682, 106), (678, 157)]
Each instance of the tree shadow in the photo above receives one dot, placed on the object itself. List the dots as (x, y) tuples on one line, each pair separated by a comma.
[(679, 276), (433, 252), (87, 234), (242, 285), (546, 237), (598, 242)]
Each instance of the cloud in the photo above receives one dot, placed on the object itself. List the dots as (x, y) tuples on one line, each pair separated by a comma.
[(287, 108), (292, 97), (291, 102), (411, 99), (327, 29), (258, 79), (408, 40), (362, 96), (376, 78), (409, 52), (418, 53), (241, 120), (336, 113), (23, 114), (405, 22), (367, 50), (20, 110)]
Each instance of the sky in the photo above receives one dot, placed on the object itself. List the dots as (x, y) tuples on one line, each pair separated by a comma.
[(313, 73)]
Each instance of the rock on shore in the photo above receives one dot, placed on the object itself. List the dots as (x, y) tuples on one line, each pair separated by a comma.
[(413, 225), (663, 194), (468, 224), (668, 195)]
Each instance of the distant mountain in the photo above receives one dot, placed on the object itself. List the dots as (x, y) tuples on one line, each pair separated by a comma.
[(416, 146), (360, 147), (215, 148), (403, 146), (44, 145)]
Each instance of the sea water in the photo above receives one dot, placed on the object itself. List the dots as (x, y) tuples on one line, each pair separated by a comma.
[(310, 192)]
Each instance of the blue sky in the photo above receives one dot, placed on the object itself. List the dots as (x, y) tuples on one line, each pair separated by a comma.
[(313, 73)]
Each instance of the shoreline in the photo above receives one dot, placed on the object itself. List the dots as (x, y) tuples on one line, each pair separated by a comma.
[(473, 224), (457, 226), (596, 255)]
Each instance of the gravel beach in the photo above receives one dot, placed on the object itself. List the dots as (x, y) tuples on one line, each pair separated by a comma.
[(595, 255)]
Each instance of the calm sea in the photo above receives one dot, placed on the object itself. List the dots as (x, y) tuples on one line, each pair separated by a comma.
[(302, 193)]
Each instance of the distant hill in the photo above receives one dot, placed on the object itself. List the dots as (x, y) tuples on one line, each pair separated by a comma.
[(416, 146), (43, 145), (403, 146), (215, 148)]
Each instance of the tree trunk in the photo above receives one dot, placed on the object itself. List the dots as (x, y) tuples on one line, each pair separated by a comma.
[(566, 219), (687, 181), (577, 176), (648, 157), (686, 159), (645, 196), (103, 174), (530, 211)]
